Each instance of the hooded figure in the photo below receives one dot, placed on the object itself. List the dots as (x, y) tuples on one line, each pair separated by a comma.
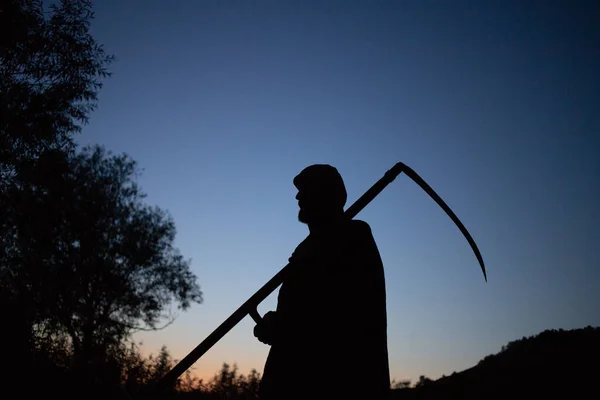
[(328, 335)]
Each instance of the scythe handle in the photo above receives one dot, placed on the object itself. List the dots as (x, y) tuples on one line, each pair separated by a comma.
[(250, 306)]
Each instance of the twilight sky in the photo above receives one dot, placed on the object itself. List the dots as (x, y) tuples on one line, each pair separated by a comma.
[(494, 103)]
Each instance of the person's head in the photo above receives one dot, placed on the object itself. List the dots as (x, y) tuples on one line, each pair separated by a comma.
[(321, 194)]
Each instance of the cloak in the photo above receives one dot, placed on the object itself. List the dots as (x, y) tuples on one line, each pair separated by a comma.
[(331, 336)]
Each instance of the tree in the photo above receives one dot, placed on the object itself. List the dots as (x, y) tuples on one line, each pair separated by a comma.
[(160, 365), (423, 380), (250, 384), (51, 70), (228, 383), (225, 382), (83, 262), (403, 384), (104, 263)]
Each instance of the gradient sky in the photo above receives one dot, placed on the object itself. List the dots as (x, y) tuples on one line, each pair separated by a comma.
[(494, 104)]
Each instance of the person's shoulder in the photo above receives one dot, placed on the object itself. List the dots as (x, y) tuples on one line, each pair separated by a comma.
[(358, 226)]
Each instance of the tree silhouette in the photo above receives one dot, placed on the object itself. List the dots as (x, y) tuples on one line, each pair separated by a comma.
[(552, 364), (403, 384), (160, 365), (225, 381), (51, 69), (249, 384), (423, 380), (103, 263), (228, 383)]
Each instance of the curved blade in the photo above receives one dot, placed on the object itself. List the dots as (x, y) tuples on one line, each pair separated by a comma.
[(419, 181)]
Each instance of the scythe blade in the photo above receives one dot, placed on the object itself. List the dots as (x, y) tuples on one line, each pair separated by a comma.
[(419, 181)]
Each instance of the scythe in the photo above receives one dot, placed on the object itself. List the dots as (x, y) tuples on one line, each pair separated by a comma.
[(249, 307)]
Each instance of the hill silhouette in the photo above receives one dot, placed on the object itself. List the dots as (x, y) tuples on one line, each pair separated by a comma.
[(552, 364)]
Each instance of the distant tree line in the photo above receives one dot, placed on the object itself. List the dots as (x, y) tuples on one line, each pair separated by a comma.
[(556, 363)]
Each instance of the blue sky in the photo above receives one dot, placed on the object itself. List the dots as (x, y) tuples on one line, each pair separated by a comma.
[(494, 104)]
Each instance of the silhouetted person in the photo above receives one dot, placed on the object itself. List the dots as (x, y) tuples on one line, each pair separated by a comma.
[(328, 335)]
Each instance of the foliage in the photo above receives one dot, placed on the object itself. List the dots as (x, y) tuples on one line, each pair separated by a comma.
[(51, 69), (529, 367), (83, 261), (423, 380), (100, 263), (229, 384), (403, 384)]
